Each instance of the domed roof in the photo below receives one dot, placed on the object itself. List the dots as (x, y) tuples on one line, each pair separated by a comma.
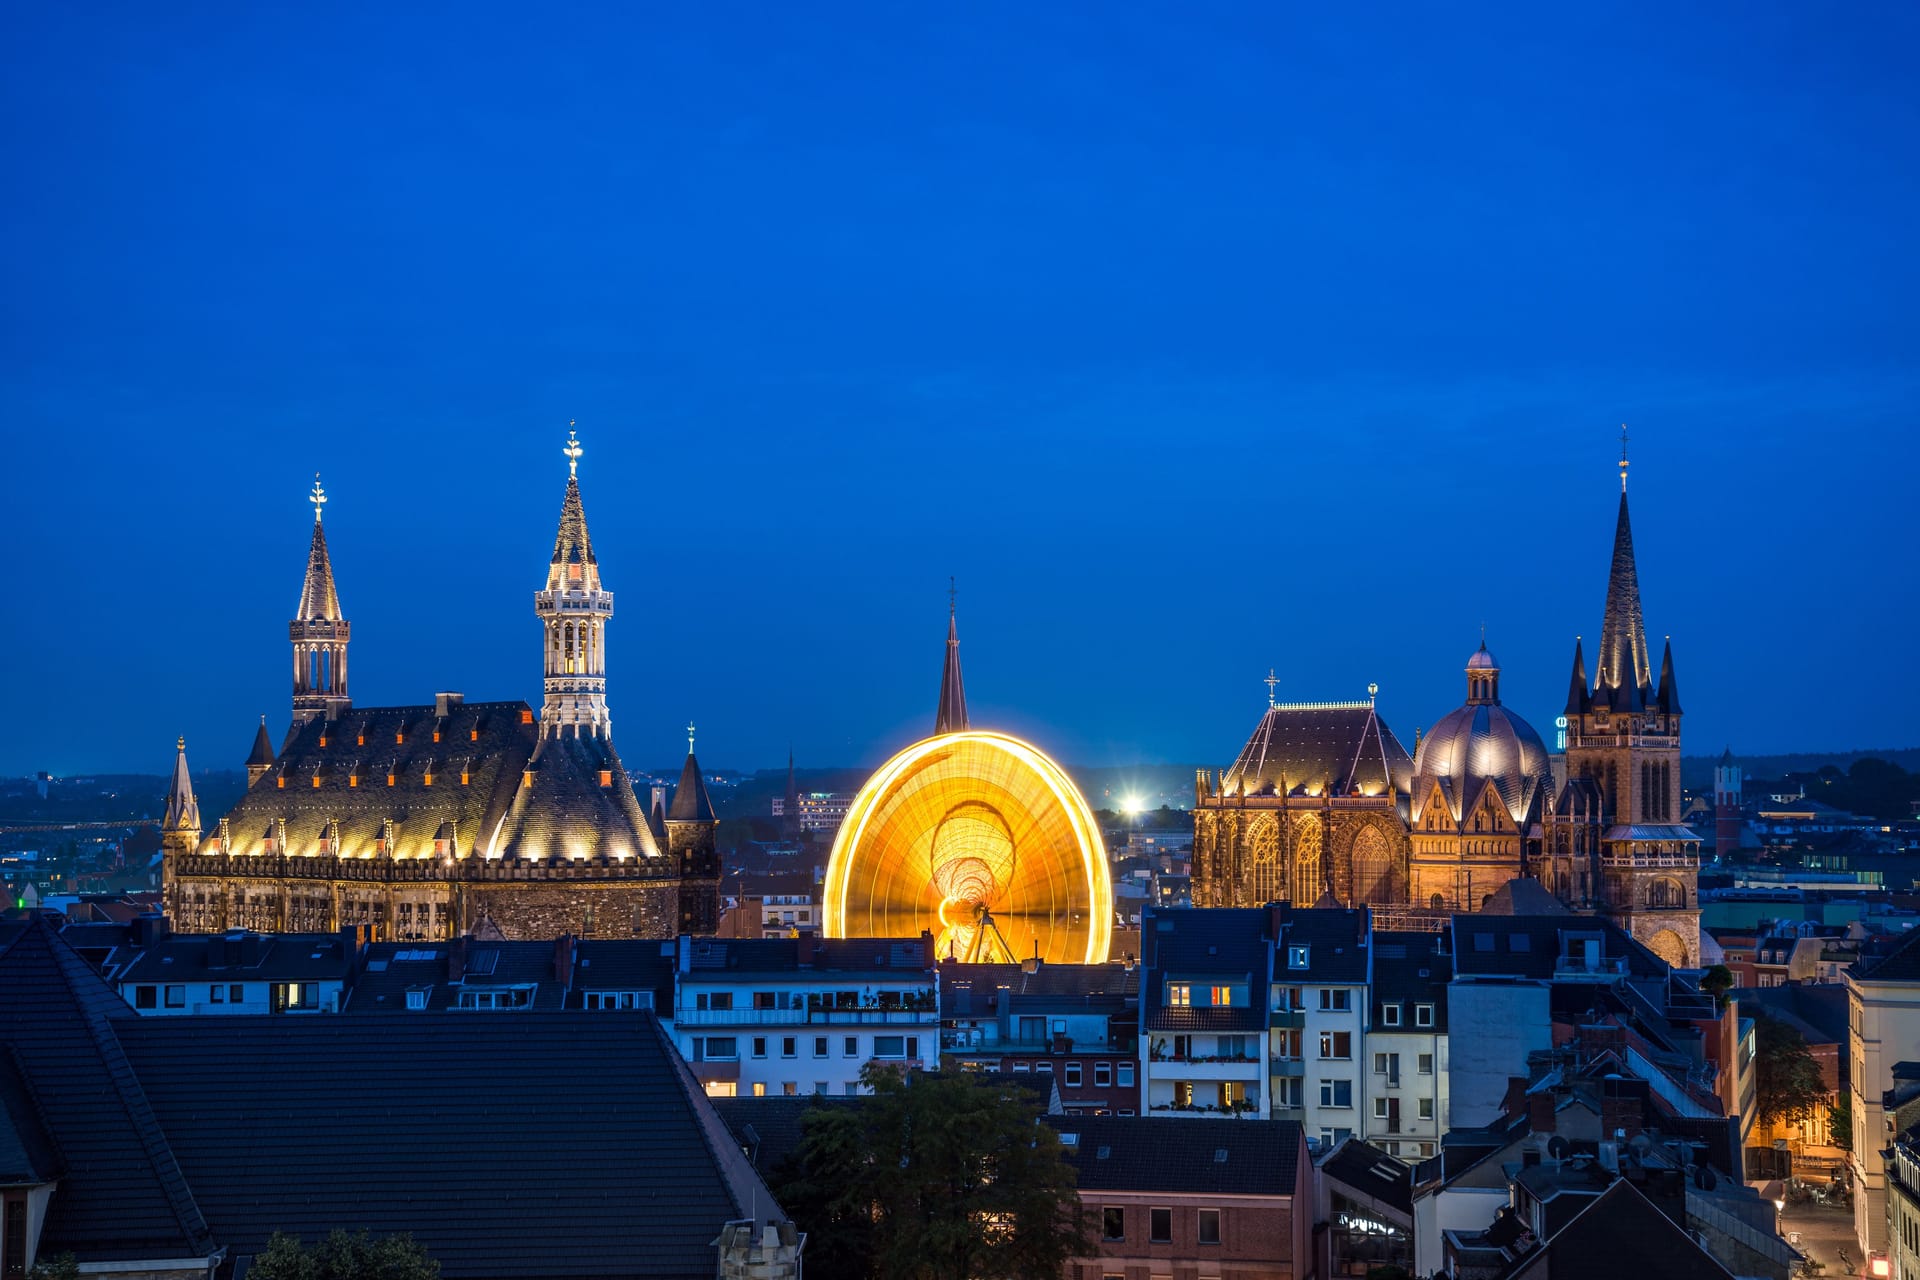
[(1482, 740), (1482, 660)]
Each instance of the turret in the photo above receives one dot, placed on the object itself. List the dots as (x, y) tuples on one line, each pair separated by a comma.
[(318, 631), (1483, 677), (691, 824), (574, 611), (260, 759), (180, 828)]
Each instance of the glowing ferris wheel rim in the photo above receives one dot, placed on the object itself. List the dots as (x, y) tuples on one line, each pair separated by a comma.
[(930, 844)]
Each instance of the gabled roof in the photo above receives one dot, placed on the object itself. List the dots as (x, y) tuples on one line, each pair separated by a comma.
[(1334, 938), (1194, 944), (393, 969), (1523, 896), (1181, 1157), (238, 957), (27, 1154), (1899, 962), (902, 958), (1621, 1233), (1371, 1171), (1408, 971), (124, 1196)]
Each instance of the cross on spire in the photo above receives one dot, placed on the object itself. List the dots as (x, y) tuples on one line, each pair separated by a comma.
[(1272, 682), (318, 497), (1623, 457), (572, 450)]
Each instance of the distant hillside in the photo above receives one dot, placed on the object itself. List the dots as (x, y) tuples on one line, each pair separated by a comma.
[(1696, 772)]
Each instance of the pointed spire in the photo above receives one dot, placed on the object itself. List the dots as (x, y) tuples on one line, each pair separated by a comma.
[(690, 801), (262, 753), (573, 566), (1624, 667), (183, 811), (1669, 696), (657, 818), (1577, 687), (952, 716), (319, 602)]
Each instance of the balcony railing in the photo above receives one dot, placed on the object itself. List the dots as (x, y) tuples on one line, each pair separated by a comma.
[(804, 1017)]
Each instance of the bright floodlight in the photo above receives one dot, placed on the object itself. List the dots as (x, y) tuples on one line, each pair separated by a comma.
[(980, 840)]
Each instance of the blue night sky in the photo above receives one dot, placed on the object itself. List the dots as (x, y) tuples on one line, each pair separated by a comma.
[(1192, 342)]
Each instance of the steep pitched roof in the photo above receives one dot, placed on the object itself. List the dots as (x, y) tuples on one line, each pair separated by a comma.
[(690, 800), (1669, 695), (952, 715), (124, 1196), (319, 602), (1621, 1233), (1898, 962), (262, 753), (519, 1144), (1373, 1172), (1181, 1157), (1577, 686), (1338, 745)]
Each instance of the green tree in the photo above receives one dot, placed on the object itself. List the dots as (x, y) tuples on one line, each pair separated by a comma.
[(1716, 982), (344, 1256), (1788, 1083), (1840, 1120), (941, 1176), (60, 1267)]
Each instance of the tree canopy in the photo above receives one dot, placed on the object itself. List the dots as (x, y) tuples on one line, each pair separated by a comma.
[(344, 1256), (1787, 1080), (933, 1176)]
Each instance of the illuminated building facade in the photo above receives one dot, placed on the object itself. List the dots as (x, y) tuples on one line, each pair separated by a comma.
[(422, 821), (977, 838), (1323, 805)]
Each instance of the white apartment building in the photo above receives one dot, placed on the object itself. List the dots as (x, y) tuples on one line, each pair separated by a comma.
[(1203, 1022), (1317, 1044), (774, 1017), (1883, 1028), (1405, 1083)]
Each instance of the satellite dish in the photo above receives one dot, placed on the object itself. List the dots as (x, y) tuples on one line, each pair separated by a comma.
[(1557, 1147)]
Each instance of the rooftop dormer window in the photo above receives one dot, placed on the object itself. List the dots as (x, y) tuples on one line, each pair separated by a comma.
[(1179, 995), (1297, 957)]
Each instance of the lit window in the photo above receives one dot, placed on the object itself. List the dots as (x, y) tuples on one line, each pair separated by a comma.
[(1297, 957), (1221, 997), (1179, 995)]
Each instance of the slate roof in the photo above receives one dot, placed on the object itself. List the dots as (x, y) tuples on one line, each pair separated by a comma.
[(1198, 944), (1523, 896), (1371, 1171), (769, 1130), (1407, 971), (1529, 946), (882, 957), (1621, 1233), (1181, 1157), (392, 969), (330, 779), (27, 1153), (1332, 936), (972, 990), (1338, 746), (319, 602), (529, 1145), (125, 1196), (690, 800), (239, 957), (1897, 962), (621, 964)]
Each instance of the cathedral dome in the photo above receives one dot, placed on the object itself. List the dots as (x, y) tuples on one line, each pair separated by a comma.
[(1482, 741)]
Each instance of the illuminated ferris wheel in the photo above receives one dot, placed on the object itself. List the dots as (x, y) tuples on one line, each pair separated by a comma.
[(981, 840)]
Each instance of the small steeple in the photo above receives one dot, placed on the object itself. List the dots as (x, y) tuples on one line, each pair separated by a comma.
[(690, 801), (319, 602), (952, 716), (1669, 695), (574, 611), (1577, 688), (260, 759), (1483, 675), (183, 811)]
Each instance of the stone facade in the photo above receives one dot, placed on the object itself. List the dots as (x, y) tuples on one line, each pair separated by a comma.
[(422, 821)]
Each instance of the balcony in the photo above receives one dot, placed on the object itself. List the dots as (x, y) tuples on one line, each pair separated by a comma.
[(740, 1017), (871, 1017)]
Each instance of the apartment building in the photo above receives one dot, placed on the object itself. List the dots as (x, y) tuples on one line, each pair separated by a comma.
[(1203, 1015), (1406, 1105), (1078, 1023), (782, 1017), (1883, 1031)]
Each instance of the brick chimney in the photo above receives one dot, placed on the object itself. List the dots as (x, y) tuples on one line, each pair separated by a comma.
[(563, 953), (457, 959), (1540, 1114)]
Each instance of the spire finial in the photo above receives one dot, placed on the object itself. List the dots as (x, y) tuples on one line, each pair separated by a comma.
[(182, 743), (1623, 457), (953, 596), (318, 497), (1373, 690), (1272, 682), (689, 737), (572, 450)]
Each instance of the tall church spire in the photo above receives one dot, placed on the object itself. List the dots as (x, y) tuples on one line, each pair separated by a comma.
[(574, 611), (1623, 666), (318, 631), (952, 717)]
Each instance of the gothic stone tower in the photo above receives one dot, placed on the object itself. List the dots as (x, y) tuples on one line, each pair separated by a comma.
[(1623, 754), (575, 611), (180, 828), (1726, 805), (690, 825), (318, 631)]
